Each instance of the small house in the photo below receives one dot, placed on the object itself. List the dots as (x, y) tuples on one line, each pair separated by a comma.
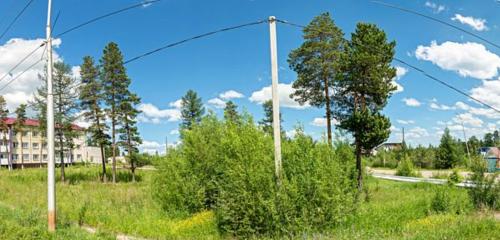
[(492, 157)]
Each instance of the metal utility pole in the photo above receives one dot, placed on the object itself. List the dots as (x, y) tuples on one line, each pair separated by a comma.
[(51, 180), (276, 103)]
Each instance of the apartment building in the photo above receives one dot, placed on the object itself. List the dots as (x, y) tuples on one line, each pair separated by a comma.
[(30, 146)]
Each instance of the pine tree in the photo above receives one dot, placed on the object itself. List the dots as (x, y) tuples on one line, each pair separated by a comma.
[(267, 121), (488, 140), (448, 154), (19, 126), (231, 113), (4, 128), (91, 100), (364, 89), (115, 84), (192, 110), (316, 63), (65, 107), (129, 134)]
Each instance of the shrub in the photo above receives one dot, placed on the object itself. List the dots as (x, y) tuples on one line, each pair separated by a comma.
[(486, 193), (448, 199), (454, 177), (406, 168), (230, 168)]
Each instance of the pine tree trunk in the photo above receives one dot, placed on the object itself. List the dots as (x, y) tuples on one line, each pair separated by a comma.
[(359, 167), (103, 158), (328, 112), (129, 145), (61, 155), (113, 148)]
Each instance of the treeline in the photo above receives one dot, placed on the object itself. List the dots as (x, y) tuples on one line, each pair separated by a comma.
[(101, 97), (450, 153)]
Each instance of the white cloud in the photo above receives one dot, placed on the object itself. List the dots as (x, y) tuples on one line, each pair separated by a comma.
[(174, 132), (468, 119), (477, 24), (217, 103), (405, 122), (176, 104), (321, 122), (468, 59), (13, 51), (417, 132), (437, 106), (284, 90), (152, 114), (436, 8), (152, 147), (412, 102), (230, 95), (488, 92), (400, 72)]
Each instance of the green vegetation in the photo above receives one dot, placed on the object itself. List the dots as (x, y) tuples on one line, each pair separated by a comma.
[(395, 211), (406, 168)]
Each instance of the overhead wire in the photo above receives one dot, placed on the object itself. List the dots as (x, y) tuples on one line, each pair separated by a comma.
[(194, 38), (419, 70), (18, 15)]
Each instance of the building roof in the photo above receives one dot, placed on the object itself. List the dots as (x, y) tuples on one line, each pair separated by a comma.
[(493, 152), (35, 123)]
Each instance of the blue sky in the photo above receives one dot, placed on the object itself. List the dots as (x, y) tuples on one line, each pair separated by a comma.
[(239, 60)]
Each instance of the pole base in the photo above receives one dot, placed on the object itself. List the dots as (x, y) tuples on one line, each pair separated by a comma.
[(52, 221)]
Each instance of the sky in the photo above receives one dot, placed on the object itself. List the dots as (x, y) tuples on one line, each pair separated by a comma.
[(235, 65)]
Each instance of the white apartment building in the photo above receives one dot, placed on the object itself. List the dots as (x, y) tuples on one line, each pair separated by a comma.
[(29, 146)]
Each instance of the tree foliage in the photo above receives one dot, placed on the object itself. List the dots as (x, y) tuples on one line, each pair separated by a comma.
[(192, 109), (449, 153), (317, 64)]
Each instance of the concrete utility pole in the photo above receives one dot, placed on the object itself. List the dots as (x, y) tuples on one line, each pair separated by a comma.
[(51, 180), (276, 103)]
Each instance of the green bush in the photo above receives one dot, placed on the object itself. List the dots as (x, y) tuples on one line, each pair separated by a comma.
[(406, 168), (454, 177), (486, 193), (447, 199), (230, 168)]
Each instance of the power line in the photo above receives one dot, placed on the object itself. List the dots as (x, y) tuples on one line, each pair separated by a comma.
[(20, 74), (15, 18), (105, 16), (439, 21), (419, 70), (193, 38), (73, 29)]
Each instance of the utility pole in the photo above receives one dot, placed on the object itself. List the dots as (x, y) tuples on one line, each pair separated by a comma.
[(465, 136), (51, 180), (275, 97)]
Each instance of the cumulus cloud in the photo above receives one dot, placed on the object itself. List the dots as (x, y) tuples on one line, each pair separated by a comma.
[(412, 102), (321, 122), (468, 119), (152, 114), (21, 90), (468, 59), (488, 92), (436, 8), (217, 102), (417, 132), (176, 104), (477, 24), (284, 90), (174, 132), (405, 122), (152, 147), (437, 106), (230, 95), (400, 72)]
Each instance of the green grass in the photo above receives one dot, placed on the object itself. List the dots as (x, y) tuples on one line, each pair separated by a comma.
[(394, 211)]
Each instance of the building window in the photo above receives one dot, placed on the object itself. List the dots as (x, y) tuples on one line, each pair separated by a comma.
[(15, 144), (79, 157), (35, 157), (25, 145), (35, 145), (15, 157), (34, 134), (78, 146), (26, 157), (44, 157), (25, 133), (44, 146)]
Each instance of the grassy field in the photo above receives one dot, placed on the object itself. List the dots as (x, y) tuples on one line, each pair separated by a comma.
[(394, 211)]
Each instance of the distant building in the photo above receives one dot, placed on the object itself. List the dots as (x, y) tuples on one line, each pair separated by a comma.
[(387, 147), (33, 147), (492, 157)]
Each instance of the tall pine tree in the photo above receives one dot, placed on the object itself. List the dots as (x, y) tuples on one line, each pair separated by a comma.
[(19, 126), (364, 89), (267, 122), (129, 134), (115, 84), (316, 63), (91, 101), (231, 113), (192, 110)]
